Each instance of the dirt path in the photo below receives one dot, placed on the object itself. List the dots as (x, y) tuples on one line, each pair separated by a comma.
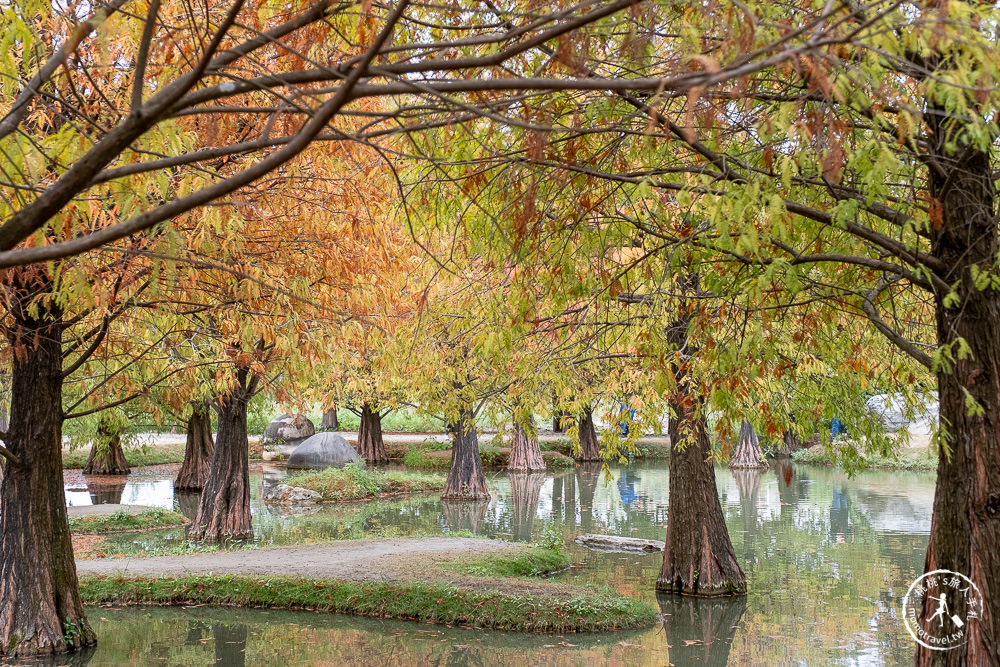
[(398, 558)]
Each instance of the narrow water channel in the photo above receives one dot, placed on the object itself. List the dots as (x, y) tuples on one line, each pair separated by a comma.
[(828, 558)]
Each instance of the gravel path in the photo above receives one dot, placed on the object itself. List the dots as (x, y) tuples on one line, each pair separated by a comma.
[(399, 558), (102, 510)]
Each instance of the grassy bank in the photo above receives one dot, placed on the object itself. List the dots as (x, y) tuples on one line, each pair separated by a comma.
[(146, 455), (533, 562), (418, 601), (123, 521), (149, 455), (918, 459), (355, 482), (438, 457)]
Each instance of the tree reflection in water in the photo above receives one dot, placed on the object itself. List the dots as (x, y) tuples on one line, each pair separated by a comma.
[(700, 631), (525, 489)]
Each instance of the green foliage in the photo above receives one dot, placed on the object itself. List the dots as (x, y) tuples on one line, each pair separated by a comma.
[(417, 458), (125, 521), (435, 445), (356, 482), (551, 538), (70, 631), (489, 454), (427, 602), (259, 412)]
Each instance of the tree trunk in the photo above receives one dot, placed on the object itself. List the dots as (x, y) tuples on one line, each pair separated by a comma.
[(590, 448), (525, 453), (106, 458), (330, 420), (466, 480), (748, 453), (790, 444), (370, 445), (40, 607), (698, 558), (224, 512), (965, 527), (198, 450)]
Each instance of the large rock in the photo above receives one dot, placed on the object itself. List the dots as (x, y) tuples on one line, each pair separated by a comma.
[(289, 428), (892, 410), (323, 450), (282, 493)]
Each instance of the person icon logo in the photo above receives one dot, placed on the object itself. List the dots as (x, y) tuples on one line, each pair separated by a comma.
[(938, 608)]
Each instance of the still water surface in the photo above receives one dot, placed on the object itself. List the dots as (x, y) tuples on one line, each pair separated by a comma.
[(828, 559)]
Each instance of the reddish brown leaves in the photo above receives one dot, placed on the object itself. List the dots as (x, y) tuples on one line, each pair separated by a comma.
[(936, 213)]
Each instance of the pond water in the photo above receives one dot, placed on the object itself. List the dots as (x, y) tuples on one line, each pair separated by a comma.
[(828, 559)]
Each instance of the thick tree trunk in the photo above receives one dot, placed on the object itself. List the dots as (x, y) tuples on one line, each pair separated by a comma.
[(466, 480), (790, 443), (224, 511), (525, 453), (525, 491), (106, 454), (198, 450), (330, 420), (590, 448), (748, 453), (698, 558), (40, 607), (370, 445), (965, 528)]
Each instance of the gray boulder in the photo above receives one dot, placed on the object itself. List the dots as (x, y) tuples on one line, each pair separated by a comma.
[(323, 450), (894, 413), (282, 493), (289, 428)]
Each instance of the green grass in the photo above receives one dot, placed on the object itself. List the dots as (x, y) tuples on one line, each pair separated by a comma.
[(111, 548), (926, 460), (417, 458), (533, 562), (426, 602), (123, 521), (355, 482)]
